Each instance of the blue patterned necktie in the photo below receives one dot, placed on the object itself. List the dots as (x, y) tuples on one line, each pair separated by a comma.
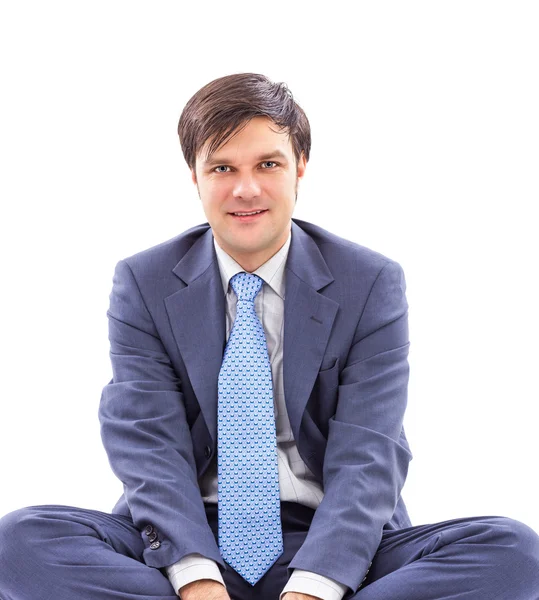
[(249, 509)]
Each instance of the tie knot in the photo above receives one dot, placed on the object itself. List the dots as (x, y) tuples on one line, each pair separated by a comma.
[(246, 285)]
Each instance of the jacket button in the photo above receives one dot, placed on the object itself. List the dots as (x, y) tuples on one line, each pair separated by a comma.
[(148, 530), (155, 545), (152, 537), (207, 452)]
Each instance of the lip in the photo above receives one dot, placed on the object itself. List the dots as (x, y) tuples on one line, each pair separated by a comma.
[(249, 218)]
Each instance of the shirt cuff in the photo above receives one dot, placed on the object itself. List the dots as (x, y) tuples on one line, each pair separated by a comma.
[(306, 582), (191, 568)]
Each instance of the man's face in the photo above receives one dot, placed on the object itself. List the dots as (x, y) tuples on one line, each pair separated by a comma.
[(254, 170)]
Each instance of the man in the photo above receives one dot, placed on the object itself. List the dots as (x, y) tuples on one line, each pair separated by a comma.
[(255, 414)]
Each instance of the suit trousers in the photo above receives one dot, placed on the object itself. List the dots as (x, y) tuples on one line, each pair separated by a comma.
[(62, 552)]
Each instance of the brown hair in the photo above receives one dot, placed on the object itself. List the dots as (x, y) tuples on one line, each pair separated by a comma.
[(224, 106)]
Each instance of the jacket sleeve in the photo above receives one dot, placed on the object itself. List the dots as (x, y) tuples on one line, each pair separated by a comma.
[(365, 466), (146, 435)]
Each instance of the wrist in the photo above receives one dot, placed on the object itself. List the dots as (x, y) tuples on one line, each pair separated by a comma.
[(198, 587)]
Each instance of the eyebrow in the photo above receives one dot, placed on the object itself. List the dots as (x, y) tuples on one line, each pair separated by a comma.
[(265, 156)]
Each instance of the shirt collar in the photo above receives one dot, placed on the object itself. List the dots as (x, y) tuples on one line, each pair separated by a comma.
[(271, 272)]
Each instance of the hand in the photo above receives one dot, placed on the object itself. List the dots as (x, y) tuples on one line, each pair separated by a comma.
[(299, 596), (204, 589)]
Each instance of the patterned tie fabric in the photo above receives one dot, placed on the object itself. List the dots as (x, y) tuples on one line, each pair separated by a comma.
[(249, 510)]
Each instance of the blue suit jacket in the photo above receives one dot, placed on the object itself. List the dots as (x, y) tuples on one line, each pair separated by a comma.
[(345, 370)]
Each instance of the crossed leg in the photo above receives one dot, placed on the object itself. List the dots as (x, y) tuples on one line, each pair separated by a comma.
[(62, 552), (475, 558)]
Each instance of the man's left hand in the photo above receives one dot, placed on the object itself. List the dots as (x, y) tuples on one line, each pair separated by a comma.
[(298, 596)]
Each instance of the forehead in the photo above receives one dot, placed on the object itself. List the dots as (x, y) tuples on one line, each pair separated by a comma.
[(259, 139)]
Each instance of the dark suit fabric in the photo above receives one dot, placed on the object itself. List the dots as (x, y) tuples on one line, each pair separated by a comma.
[(345, 373)]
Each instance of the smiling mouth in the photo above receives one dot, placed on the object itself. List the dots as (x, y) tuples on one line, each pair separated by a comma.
[(249, 217), (248, 212)]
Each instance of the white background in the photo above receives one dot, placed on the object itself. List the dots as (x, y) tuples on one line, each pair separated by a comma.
[(425, 132)]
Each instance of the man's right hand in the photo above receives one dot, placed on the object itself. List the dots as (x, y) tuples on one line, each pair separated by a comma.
[(204, 589)]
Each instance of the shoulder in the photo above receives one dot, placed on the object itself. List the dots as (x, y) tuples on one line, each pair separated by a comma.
[(342, 254), (163, 257)]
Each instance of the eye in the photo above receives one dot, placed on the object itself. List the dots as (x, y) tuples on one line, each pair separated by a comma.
[(227, 167)]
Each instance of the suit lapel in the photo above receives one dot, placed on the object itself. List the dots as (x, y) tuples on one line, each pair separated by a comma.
[(197, 317), (308, 320)]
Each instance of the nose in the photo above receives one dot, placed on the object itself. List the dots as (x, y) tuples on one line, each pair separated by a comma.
[(246, 186)]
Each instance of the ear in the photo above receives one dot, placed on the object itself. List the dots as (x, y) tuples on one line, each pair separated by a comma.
[(193, 176), (302, 165)]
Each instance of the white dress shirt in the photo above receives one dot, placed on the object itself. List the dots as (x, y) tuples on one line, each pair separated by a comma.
[(296, 482)]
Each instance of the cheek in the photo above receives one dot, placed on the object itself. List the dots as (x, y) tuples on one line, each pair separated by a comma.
[(213, 194)]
